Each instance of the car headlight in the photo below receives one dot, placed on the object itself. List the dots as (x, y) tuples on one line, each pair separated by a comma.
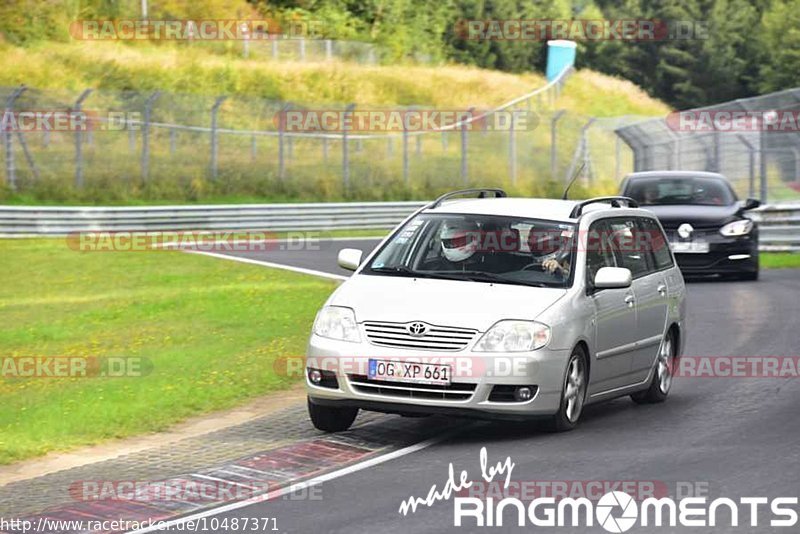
[(337, 322), (514, 336), (737, 228)]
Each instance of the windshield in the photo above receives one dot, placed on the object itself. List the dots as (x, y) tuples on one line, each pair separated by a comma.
[(480, 248), (698, 191)]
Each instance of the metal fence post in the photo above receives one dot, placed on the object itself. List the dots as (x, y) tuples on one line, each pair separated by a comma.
[(582, 151), (253, 148), (325, 150), (302, 45), (148, 108), (172, 136), (214, 142), (464, 177), (79, 142), (28, 155), (346, 150), (281, 134), (762, 166), (274, 49), (512, 150), (8, 140), (405, 153), (554, 140), (245, 40), (751, 175), (328, 50)]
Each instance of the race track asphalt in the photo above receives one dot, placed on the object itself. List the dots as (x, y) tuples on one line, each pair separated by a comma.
[(728, 437)]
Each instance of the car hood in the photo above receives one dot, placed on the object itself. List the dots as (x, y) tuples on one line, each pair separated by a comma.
[(671, 216), (476, 305)]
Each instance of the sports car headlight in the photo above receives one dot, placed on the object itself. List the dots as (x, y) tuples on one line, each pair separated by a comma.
[(514, 336), (337, 322), (737, 228)]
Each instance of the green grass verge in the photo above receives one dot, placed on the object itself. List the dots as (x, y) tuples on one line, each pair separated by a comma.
[(210, 329), (780, 260)]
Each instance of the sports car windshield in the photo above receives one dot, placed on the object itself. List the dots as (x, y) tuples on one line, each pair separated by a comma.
[(691, 190), (480, 248)]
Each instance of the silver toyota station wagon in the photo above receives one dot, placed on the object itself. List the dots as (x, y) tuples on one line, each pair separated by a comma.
[(501, 308)]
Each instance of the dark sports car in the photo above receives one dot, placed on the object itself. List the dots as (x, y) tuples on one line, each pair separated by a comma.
[(706, 224)]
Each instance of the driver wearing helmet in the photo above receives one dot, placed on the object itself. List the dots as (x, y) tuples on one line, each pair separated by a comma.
[(459, 240), (551, 249)]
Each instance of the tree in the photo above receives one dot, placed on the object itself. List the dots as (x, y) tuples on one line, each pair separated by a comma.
[(780, 35)]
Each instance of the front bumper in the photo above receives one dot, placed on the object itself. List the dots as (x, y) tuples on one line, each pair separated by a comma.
[(726, 255), (474, 373)]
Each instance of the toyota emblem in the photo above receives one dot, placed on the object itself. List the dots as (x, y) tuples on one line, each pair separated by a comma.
[(417, 329)]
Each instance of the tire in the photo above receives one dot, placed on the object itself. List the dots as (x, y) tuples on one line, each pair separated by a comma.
[(573, 393), (662, 375), (331, 418)]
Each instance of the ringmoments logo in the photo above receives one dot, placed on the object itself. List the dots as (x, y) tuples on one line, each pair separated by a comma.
[(618, 511)]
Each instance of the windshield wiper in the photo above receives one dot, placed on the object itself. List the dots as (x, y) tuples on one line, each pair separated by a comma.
[(482, 276), (402, 270)]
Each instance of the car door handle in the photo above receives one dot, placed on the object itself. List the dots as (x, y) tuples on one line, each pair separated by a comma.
[(629, 300), (662, 289)]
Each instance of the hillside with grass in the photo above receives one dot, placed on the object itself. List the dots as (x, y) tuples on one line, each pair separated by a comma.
[(112, 66), (189, 78)]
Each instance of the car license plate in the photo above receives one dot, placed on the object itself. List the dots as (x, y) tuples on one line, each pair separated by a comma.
[(413, 372), (689, 247)]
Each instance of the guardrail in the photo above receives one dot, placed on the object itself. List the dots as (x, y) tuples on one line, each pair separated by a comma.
[(779, 227), (59, 221), (779, 224)]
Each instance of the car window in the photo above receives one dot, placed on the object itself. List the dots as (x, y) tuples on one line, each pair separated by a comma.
[(598, 249), (624, 239), (701, 191), (656, 243), (480, 248)]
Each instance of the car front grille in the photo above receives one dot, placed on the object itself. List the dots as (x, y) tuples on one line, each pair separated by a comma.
[(457, 391), (396, 335)]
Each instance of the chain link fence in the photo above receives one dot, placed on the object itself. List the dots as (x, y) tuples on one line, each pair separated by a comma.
[(755, 142), (173, 147)]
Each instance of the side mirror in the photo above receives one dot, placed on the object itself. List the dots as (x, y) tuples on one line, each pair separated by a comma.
[(751, 203), (349, 258), (612, 278)]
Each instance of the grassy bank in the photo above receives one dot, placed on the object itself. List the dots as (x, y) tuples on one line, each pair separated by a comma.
[(204, 333), (780, 260), (122, 76)]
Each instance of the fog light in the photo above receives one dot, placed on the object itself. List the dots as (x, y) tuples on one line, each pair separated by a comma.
[(315, 375), (523, 393)]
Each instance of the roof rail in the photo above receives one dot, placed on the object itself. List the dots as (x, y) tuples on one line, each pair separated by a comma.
[(615, 203), (498, 193)]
